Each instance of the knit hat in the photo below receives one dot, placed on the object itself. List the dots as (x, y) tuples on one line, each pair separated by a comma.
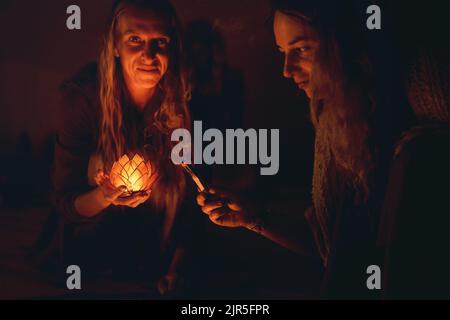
[(428, 87)]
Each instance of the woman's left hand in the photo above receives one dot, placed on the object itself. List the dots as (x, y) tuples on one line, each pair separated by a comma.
[(103, 181), (171, 283)]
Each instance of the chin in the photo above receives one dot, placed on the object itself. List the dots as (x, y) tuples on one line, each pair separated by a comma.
[(308, 93), (149, 84)]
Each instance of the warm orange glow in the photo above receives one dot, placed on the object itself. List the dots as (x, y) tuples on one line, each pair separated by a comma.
[(134, 174)]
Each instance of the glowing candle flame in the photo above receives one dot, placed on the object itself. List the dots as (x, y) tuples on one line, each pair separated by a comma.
[(134, 174)]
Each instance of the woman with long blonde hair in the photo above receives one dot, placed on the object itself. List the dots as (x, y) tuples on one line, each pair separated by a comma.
[(128, 104)]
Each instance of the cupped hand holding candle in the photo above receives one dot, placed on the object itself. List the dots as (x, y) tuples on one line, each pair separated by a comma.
[(129, 183), (135, 175)]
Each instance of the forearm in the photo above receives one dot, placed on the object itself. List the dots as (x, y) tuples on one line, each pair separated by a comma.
[(91, 204), (289, 233)]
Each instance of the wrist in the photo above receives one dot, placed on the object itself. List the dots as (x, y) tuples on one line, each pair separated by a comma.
[(257, 222), (101, 198)]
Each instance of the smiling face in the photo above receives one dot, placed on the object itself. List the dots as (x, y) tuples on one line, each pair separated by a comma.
[(299, 43), (142, 44)]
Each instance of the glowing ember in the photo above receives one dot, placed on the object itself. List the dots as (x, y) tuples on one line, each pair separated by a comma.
[(134, 174)]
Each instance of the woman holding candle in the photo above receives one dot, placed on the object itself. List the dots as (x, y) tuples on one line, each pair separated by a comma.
[(324, 56), (119, 114)]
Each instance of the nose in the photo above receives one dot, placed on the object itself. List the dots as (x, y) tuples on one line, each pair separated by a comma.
[(149, 52), (289, 65)]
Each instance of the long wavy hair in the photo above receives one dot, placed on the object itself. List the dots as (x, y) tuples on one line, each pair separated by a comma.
[(171, 114), (341, 102)]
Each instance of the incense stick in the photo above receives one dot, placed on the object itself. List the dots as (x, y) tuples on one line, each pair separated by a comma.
[(201, 187)]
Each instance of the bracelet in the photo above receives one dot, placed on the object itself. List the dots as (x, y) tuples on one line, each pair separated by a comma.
[(260, 222)]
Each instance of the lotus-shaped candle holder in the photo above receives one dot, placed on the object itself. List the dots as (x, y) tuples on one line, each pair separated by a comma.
[(134, 174)]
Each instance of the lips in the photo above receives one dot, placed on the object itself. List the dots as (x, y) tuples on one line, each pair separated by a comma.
[(302, 84), (148, 70)]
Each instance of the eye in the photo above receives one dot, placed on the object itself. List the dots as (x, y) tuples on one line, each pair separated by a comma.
[(135, 40), (304, 52), (304, 49), (162, 43)]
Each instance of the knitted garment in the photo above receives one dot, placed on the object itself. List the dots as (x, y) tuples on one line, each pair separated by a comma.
[(428, 88)]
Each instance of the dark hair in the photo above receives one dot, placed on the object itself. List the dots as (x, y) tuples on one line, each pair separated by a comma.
[(342, 102)]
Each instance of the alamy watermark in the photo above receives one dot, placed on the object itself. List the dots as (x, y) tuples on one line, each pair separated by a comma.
[(374, 280), (73, 21), (373, 22), (252, 145), (73, 281)]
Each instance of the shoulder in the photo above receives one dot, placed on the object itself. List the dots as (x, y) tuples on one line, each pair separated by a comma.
[(79, 107), (421, 158), (425, 139), (83, 82)]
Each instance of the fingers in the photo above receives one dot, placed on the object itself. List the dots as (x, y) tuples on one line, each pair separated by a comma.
[(220, 193), (110, 192), (113, 194), (100, 177), (220, 209), (144, 198), (209, 203), (225, 217), (221, 214), (210, 206), (222, 220), (234, 206), (204, 198), (233, 202), (163, 286), (133, 201), (201, 198), (170, 283), (126, 202)]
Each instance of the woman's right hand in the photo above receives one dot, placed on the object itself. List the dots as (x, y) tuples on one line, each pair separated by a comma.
[(225, 209), (113, 195)]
